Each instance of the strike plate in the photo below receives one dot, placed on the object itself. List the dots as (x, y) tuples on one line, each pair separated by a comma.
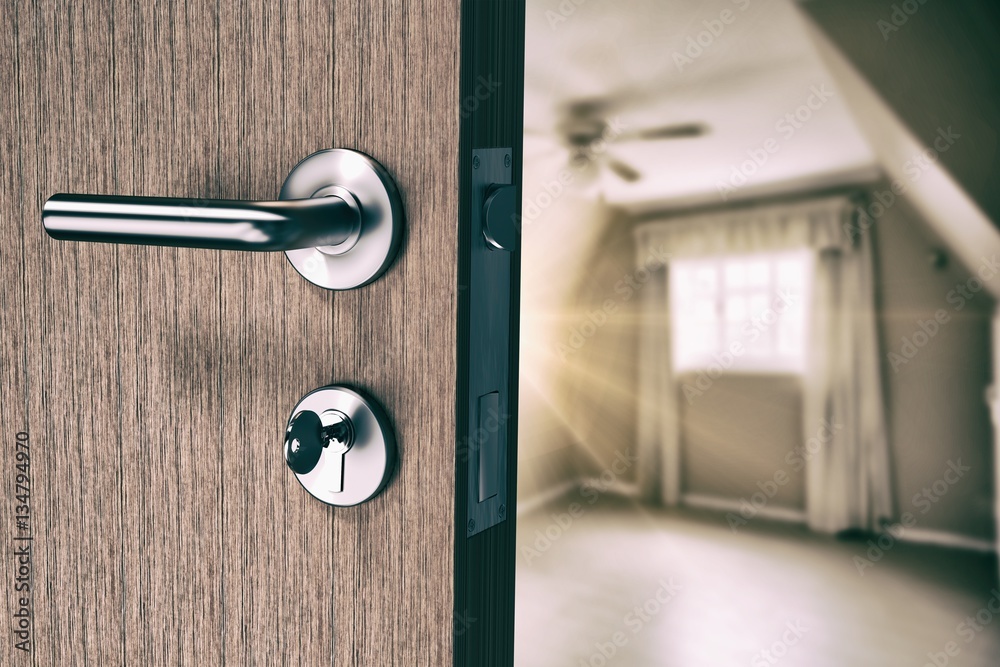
[(491, 258)]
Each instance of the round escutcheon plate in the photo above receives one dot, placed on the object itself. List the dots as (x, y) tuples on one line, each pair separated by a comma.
[(366, 186), (345, 478)]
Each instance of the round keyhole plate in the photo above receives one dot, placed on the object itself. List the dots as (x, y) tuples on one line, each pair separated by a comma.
[(368, 188), (367, 465)]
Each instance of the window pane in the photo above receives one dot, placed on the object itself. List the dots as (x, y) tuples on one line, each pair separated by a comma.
[(758, 304), (706, 280), (757, 273), (791, 271), (741, 299), (736, 274), (736, 309)]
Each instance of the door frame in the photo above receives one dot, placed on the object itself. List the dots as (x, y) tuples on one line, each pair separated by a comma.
[(492, 116)]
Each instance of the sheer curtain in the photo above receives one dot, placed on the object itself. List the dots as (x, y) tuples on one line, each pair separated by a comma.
[(847, 476), (843, 429)]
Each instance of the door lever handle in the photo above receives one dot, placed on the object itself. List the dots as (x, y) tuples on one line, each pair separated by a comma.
[(197, 223), (339, 220)]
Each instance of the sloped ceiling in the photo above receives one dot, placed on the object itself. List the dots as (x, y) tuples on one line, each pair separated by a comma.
[(935, 67)]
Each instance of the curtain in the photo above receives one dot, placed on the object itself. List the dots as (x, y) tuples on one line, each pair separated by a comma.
[(658, 433), (847, 471), (843, 429)]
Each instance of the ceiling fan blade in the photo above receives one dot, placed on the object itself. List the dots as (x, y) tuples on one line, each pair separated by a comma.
[(622, 170), (675, 131)]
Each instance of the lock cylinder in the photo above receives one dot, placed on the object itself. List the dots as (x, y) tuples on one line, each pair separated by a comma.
[(340, 445)]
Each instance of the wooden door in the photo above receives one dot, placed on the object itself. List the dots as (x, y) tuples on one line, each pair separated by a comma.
[(151, 386)]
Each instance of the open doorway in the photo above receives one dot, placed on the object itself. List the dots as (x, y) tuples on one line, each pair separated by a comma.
[(759, 287)]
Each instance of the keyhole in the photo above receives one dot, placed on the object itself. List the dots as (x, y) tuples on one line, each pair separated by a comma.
[(337, 436)]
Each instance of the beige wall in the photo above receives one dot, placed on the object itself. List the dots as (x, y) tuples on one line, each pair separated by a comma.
[(935, 402), (739, 435), (555, 437), (598, 348)]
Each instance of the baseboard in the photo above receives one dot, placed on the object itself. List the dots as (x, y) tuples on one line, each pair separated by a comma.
[(615, 488), (945, 539), (709, 502), (718, 503), (547, 496)]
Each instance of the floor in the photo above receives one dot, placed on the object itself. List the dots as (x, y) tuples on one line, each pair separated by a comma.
[(618, 583)]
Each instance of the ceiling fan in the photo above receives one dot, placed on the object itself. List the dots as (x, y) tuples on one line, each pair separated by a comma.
[(586, 130)]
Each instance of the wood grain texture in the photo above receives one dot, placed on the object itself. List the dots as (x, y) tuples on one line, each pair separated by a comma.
[(397, 337), (156, 382)]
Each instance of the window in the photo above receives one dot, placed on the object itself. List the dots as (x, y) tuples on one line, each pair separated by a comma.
[(740, 312)]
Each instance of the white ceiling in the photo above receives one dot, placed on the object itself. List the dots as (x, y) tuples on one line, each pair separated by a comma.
[(759, 68)]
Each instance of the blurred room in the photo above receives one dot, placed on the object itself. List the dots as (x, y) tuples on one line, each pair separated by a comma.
[(759, 329)]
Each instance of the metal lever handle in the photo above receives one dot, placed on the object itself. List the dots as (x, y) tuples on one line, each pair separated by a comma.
[(191, 223), (339, 220)]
